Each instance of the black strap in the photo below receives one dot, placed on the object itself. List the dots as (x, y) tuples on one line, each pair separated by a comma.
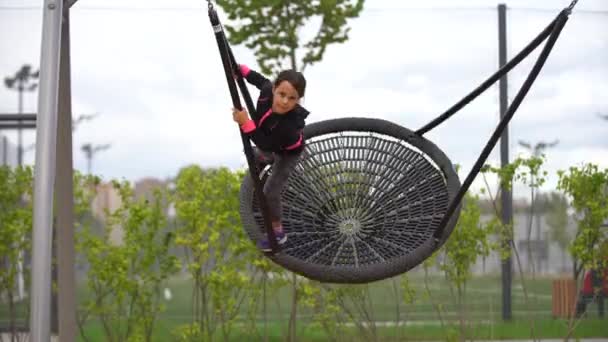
[(490, 81), (231, 70), (557, 26)]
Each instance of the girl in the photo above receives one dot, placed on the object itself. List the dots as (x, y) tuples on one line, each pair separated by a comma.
[(276, 129)]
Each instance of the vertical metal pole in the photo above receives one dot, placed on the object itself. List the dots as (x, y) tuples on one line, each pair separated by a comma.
[(4, 150), (506, 196), (19, 132), (64, 194), (54, 283), (46, 131)]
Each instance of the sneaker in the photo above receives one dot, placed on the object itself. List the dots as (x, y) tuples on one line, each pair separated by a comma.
[(281, 237), (264, 244)]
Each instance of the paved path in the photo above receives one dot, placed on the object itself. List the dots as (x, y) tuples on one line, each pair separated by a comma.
[(6, 337)]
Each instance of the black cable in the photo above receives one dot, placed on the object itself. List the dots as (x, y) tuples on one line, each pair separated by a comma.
[(560, 22), (490, 81), (231, 70)]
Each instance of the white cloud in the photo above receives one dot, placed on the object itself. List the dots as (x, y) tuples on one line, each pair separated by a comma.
[(155, 78)]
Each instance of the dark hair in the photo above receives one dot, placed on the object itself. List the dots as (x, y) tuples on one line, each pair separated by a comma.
[(296, 79)]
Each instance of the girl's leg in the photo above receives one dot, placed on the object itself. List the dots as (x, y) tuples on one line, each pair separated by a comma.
[(262, 158), (281, 169)]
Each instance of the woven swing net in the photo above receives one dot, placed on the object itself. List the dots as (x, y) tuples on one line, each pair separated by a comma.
[(362, 204)]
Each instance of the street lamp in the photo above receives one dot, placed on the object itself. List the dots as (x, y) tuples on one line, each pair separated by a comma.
[(536, 150), (90, 151), (82, 118), (21, 82)]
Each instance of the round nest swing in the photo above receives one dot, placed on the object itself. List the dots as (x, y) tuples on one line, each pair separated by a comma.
[(369, 199), (362, 204)]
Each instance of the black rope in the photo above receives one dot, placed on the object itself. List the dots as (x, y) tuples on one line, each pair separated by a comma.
[(240, 80), (490, 81), (571, 7), (560, 21), (231, 70)]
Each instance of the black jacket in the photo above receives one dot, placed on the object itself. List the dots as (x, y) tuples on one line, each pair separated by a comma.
[(270, 131)]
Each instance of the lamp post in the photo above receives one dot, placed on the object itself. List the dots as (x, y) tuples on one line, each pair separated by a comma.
[(21, 82), (75, 123), (90, 151)]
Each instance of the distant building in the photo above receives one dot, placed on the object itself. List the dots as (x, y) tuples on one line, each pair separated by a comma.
[(544, 255), (107, 201), (8, 151), (145, 188), (547, 256)]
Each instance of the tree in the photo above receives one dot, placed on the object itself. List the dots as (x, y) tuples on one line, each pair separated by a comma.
[(218, 254), (469, 241), (533, 164), (587, 187), (15, 236), (125, 279), (272, 29), (557, 219)]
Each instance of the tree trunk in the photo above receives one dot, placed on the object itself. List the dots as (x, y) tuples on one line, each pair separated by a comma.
[(11, 314), (264, 307), (294, 309), (397, 305), (530, 259), (461, 314), (538, 239)]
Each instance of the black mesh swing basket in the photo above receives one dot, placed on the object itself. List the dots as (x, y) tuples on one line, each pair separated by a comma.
[(362, 204), (370, 199)]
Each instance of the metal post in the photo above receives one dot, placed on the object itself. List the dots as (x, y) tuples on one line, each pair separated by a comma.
[(4, 150), (19, 133), (64, 194), (506, 196), (18, 117), (45, 171), (4, 126)]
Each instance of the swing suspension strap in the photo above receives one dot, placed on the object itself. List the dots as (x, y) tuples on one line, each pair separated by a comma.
[(490, 81), (552, 31), (231, 71), (499, 74)]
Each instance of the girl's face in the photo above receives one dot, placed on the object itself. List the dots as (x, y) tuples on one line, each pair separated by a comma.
[(285, 98)]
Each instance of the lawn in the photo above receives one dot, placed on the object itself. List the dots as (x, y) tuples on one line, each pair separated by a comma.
[(484, 305), (544, 328), (484, 299)]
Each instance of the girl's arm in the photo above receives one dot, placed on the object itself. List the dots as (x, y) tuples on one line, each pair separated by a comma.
[(253, 77), (292, 140), (247, 125), (292, 136)]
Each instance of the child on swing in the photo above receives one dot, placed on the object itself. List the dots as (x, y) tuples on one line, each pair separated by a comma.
[(276, 129)]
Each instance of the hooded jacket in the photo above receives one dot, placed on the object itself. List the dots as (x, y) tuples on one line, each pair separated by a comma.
[(279, 133)]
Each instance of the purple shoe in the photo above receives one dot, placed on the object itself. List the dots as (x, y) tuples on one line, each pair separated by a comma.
[(264, 244)]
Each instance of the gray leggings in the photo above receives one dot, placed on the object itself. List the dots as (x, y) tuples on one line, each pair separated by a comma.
[(282, 165)]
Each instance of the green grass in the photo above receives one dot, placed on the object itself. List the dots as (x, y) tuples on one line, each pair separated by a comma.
[(484, 307), (484, 299), (590, 328)]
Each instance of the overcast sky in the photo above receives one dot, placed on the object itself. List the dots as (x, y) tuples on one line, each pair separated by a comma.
[(152, 72)]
